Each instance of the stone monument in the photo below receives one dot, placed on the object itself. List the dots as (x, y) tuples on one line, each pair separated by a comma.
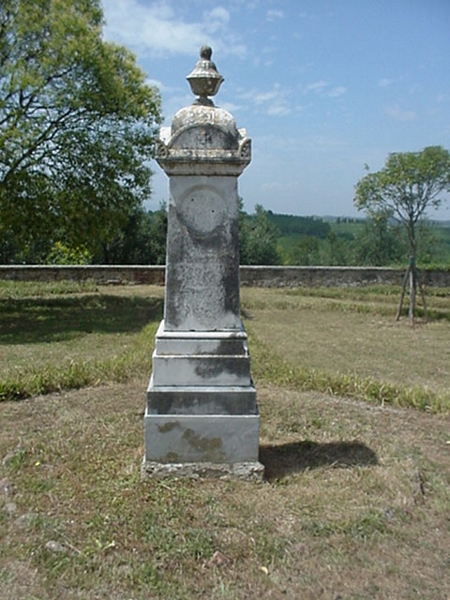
[(202, 416)]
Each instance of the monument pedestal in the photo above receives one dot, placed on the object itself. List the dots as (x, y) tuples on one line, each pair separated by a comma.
[(202, 416)]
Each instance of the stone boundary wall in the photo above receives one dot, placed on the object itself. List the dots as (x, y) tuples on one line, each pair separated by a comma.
[(335, 276), (101, 274), (263, 276)]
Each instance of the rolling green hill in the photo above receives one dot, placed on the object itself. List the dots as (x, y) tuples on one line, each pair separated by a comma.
[(313, 240)]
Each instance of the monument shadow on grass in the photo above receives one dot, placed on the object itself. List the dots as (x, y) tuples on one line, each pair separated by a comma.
[(37, 320), (281, 460)]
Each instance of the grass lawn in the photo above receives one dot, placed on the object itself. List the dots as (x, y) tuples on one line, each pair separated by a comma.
[(355, 439)]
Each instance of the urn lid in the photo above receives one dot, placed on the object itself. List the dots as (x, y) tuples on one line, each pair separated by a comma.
[(204, 79)]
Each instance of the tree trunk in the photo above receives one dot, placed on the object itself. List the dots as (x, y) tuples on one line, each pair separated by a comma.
[(414, 281), (412, 290), (402, 297)]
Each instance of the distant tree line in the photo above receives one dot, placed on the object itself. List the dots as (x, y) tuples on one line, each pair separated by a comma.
[(374, 241), (293, 224), (142, 240), (266, 238)]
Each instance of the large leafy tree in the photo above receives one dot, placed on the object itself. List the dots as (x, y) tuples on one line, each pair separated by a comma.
[(77, 125), (407, 186)]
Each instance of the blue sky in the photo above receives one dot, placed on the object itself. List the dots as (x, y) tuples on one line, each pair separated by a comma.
[(323, 87)]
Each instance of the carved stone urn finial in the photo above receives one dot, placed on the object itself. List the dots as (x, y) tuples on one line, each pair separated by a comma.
[(205, 80)]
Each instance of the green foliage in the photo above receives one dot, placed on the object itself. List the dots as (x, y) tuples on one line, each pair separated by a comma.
[(77, 126), (409, 184), (380, 242), (141, 241), (304, 252), (62, 255), (257, 238), (336, 250)]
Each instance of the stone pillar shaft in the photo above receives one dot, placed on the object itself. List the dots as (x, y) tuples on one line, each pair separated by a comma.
[(202, 283)]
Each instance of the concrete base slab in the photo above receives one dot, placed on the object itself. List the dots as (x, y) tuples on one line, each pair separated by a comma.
[(247, 471)]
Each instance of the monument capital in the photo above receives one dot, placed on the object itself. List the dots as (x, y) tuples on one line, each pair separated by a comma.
[(203, 139)]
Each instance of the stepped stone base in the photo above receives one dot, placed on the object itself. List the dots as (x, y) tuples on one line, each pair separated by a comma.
[(198, 400), (202, 418)]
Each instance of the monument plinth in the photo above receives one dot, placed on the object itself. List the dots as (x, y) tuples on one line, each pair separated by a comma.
[(202, 416)]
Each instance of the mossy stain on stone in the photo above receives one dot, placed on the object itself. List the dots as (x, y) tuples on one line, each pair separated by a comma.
[(210, 447), (172, 457), (168, 426)]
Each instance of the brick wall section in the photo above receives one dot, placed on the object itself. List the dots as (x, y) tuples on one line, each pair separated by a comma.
[(253, 276)]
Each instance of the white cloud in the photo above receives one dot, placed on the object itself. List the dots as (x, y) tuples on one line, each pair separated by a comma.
[(230, 106), (159, 29), (219, 13), (264, 97), (278, 110), (442, 98), (317, 87), (400, 115), (216, 18), (274, 14), (336, 92), (384, 82), (322, 88), (159, 84), (273, 102)]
